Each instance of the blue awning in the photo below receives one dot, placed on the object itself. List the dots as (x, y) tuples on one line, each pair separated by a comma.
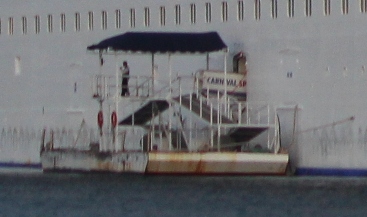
[(162, 42)]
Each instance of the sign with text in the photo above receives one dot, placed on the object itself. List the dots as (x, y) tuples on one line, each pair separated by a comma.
[(215, 81)]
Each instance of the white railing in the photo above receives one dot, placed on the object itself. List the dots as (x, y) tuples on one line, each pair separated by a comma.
[(68, 138), (219, 106), (105, 86)]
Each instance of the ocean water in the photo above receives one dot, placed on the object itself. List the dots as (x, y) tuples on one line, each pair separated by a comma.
[(134, 195)]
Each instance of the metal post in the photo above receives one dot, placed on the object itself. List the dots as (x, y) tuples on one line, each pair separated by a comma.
[(170, 125), (218, 141), (207, 61), (247, 116), (170, 75), (136, 86), (218, 108), (239, 112), (153, 74), (218, 124), (101, 101), (211, 114), (201, 107), (116, 103), (225, 78), (180, 90), (197, 87), (211, 137), (190, 139), (207, 94)]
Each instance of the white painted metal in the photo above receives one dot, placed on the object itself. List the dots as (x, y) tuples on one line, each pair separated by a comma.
[(217, 163), (316, 62), (72, 160)]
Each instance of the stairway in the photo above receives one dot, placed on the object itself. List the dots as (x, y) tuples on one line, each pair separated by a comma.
[(205, 109), (236, 133), (145, 113)]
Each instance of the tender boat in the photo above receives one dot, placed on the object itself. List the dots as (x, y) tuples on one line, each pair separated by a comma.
[(198, 124)]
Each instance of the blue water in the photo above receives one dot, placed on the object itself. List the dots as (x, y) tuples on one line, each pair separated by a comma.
[(135, 195)]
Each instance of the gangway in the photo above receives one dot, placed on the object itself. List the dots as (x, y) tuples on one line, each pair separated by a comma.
[(204, 111), (145, 113)]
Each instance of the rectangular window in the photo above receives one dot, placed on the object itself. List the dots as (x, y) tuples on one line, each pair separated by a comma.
[(146, 17), (162, 14), (77, 22), (10, 26), (308, 8), (363, 6), (0, 27), (274, 8), (118, 19), (24, 25), (132, 17), (193, 13), (290, 8), (345, 6), (257, 9), (49, 23), (240, 10), (104, 19), (62, 22), (178, 14), (37, 24), (208, 12), (90, 20), (224, 11), (327, 7)]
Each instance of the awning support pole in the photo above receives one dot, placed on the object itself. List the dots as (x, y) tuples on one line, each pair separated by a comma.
[(207, 61), (225, 80), (115, 128), (170, 74), (153, 75)]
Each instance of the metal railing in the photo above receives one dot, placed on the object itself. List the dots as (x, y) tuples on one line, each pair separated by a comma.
[(105, 86), (219, 106)]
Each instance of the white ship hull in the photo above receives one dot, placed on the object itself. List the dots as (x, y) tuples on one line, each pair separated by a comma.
[(312, 66), (76, 161), (166, 163)]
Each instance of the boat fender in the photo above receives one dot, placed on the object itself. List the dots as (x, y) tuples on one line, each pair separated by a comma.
[(113, 119), (100, 119)]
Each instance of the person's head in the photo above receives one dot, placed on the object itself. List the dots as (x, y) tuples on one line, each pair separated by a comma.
[(124, 63)]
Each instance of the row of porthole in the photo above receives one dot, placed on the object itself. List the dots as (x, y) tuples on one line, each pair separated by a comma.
[(177, 17)]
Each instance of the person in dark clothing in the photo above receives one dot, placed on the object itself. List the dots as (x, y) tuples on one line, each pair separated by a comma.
[(125, 79)]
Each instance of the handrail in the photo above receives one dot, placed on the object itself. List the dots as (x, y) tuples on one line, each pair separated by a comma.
[(104, 86), (219, 108)]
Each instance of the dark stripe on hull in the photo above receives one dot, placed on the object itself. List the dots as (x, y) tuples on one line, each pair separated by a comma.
[(159, 174), (20, 165), (215, 174), (330, 172)]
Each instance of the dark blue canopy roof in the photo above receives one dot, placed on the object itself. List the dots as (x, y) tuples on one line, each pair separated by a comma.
[(162, 42)]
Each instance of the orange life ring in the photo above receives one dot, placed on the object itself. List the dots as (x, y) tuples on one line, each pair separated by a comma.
[(113, 119), (100, 119)]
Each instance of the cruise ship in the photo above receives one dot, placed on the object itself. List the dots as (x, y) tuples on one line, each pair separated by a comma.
[(303, 58)]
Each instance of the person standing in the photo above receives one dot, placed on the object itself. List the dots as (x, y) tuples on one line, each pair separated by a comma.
[(125, 79)]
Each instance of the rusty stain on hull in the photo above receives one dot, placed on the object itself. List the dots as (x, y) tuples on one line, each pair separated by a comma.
[(217, 163), (167, 162)]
